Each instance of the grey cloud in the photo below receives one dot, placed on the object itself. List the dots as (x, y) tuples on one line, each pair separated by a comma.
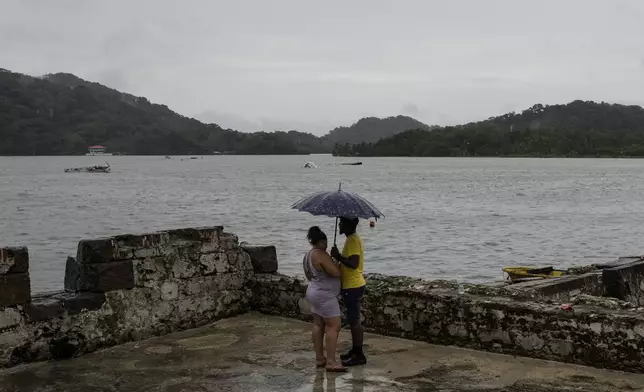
[(229, 121), (411, 109), (243, 124), (293, 64)]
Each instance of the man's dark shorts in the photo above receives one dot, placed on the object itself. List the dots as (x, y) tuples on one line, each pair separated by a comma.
[(352, 300)]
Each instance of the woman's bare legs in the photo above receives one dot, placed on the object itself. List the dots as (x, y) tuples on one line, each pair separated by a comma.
[(332, 332), (318, 339)]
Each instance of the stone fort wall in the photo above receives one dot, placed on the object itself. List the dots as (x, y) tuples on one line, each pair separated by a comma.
[(126, 288), (132, 287)]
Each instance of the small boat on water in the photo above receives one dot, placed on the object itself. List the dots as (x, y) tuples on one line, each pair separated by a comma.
[(352, 164), (310, 165), (520, 273), (90, 169)]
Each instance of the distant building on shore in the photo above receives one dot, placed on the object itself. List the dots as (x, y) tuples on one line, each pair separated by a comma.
[(98, 150)]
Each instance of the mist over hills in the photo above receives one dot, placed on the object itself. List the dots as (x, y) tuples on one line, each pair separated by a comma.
[(62, 114)]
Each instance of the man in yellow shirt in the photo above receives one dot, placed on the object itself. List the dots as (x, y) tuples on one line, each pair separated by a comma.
[(353, 286)]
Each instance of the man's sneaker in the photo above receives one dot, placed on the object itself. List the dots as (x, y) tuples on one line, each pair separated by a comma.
[(347, 355), (355, 360)]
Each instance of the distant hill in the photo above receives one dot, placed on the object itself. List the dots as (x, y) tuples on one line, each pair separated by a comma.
[(372, 129), (61, 114), (579, 128)]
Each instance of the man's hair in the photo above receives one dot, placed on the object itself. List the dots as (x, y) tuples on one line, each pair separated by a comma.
[(351, 223)]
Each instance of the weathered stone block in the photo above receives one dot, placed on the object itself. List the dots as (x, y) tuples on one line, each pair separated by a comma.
[(210, 246), (209, 285), (564, 287), (228, 241), (214, 263), (15, 289), (137, 241), (99, 277), (77, 302), (169, 291), (625, 282), (197, 234), (142, 253), (101, 250), (184, 269), (240, 260), (149, 269), (14, 260), (9, 318), (262, 257), (72, 274), (44, 308)]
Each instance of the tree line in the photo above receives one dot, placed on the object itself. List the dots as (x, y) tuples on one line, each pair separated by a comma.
[(62, 114), (578, 129)]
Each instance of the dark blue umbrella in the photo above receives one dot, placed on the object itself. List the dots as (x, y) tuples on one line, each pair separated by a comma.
[(337, 204)]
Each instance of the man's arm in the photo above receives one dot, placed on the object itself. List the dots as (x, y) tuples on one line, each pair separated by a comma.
[(352, 261)]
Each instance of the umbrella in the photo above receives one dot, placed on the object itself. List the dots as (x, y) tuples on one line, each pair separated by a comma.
[(337, 204)]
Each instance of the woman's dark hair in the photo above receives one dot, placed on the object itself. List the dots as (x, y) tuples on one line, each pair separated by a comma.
[(315, 235)]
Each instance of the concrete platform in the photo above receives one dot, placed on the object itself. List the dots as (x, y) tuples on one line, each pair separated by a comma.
[(261, 353)]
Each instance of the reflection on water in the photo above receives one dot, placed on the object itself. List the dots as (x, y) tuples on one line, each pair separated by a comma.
[(352, 381), (445, 218)]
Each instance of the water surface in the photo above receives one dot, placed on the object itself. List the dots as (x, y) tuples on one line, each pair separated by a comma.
[(445, 217)]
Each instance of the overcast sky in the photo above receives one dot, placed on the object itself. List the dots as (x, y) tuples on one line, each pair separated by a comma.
[(314, 65)]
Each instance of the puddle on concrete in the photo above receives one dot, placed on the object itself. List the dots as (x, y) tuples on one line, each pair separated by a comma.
[(158, 350), (263, 354), (213, 341)]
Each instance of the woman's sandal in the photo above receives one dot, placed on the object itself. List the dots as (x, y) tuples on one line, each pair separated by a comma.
[(320, 364), (337, 368)]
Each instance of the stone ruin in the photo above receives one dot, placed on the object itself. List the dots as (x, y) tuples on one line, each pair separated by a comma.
[(131, 287), (127, 288)]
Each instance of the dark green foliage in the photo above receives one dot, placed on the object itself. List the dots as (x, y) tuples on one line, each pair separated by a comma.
[(578, 129), (372, 129), (62, 114)]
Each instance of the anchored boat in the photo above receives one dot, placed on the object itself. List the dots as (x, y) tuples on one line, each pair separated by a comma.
[(90, 169)]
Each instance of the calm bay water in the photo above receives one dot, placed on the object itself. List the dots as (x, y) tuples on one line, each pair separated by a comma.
[(445, 218)]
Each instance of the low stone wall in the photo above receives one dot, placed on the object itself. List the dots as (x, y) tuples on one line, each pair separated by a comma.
[(626, 282), (434, 312), (131, 287), (562, 288), (15, 285), (126, 288)]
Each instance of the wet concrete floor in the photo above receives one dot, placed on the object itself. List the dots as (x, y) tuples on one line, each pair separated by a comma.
[(261, 353)]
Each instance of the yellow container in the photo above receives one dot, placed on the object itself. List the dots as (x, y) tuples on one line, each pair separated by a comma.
[(515, 273)]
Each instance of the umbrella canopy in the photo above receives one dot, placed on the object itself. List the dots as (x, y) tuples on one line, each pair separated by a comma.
[(338, 204)]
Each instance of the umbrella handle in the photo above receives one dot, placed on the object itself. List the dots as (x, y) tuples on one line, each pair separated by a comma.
[(335, 232)]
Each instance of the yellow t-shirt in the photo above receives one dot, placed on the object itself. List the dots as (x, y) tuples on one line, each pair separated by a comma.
[(352, 278)]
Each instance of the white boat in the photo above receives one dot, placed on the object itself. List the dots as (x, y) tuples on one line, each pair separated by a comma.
[(98, 151), (310, 165)]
